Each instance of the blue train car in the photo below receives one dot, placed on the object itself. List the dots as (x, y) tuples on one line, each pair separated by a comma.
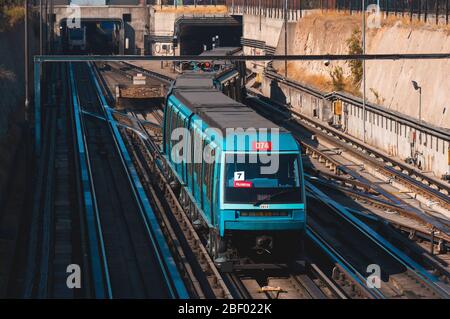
[(239, 174)]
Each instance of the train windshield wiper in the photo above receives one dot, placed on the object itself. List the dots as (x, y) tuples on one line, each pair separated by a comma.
[(271, 197)]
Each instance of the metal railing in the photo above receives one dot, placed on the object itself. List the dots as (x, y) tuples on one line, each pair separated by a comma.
[(187, 2), (426, 10)]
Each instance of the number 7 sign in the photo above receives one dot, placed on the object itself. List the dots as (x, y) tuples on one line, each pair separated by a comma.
[(239, 176)]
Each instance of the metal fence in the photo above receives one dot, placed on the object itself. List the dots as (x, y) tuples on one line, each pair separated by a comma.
[(418, 9), (187, 2)]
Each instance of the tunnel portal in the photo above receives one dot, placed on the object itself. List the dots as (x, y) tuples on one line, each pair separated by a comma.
[(195, 33), (95, 36)]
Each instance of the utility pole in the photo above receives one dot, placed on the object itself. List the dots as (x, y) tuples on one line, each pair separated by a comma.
[(363, 12), (27, 97), (40, 28), (46, 27), (285, 38)]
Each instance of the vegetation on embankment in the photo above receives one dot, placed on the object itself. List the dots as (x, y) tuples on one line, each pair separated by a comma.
[(190, 9), (388, 83), (11, 83), (11, 13)]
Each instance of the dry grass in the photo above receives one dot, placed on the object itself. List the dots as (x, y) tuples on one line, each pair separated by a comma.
[(318, 81), (337, 23), (405, 21), (299, 74), (10, 16), (389, 21), (192, 9)]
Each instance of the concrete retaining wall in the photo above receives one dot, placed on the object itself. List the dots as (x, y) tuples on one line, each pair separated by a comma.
[(392, 132), (133, 30)]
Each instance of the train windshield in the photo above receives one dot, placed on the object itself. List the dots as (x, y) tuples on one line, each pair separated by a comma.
[(76, 34), (246, 180)]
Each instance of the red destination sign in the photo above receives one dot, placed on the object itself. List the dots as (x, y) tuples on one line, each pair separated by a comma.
[(262, 146), (243, 184)]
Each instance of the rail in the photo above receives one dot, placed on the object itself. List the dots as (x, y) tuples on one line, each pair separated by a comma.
[(401, 172), (171, 274)]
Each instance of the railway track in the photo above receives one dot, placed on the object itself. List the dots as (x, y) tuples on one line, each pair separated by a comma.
[(242, 284), (413, 220), (55, 240), (427, 189), (347, 274), (403, 278), (427, 186), (400, 276), (206, 281), (128, 256)]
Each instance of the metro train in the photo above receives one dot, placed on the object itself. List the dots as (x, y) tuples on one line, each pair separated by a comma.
[(239, 176), (77, 38)]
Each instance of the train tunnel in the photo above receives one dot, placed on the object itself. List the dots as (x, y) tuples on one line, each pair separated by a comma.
[(93, 36), (195, 33)]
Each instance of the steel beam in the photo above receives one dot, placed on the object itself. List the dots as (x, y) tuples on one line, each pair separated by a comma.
[(319, 57)]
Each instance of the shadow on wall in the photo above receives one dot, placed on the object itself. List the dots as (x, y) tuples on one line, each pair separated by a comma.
[(277, 93)]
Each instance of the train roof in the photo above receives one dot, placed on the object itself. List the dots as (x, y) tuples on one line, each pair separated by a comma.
[(214, 107), (192, 80)]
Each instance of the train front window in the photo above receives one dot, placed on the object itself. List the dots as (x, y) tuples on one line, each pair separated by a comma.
[(76, 34), (246, 181)]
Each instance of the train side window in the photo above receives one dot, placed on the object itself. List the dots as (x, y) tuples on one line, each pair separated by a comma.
[(180, 125), (191, 160), (209, 172), (167, 129), (173, 114), (197, 158), (200, 165), (211, 183), (172, 125), (205, 176)]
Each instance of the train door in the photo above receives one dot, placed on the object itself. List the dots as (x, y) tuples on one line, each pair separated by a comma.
[(180, 162), (186, 148), (208, 180), (198, 167)]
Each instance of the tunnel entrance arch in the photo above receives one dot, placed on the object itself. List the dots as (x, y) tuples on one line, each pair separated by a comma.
[(103, 35), (193, 33)]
